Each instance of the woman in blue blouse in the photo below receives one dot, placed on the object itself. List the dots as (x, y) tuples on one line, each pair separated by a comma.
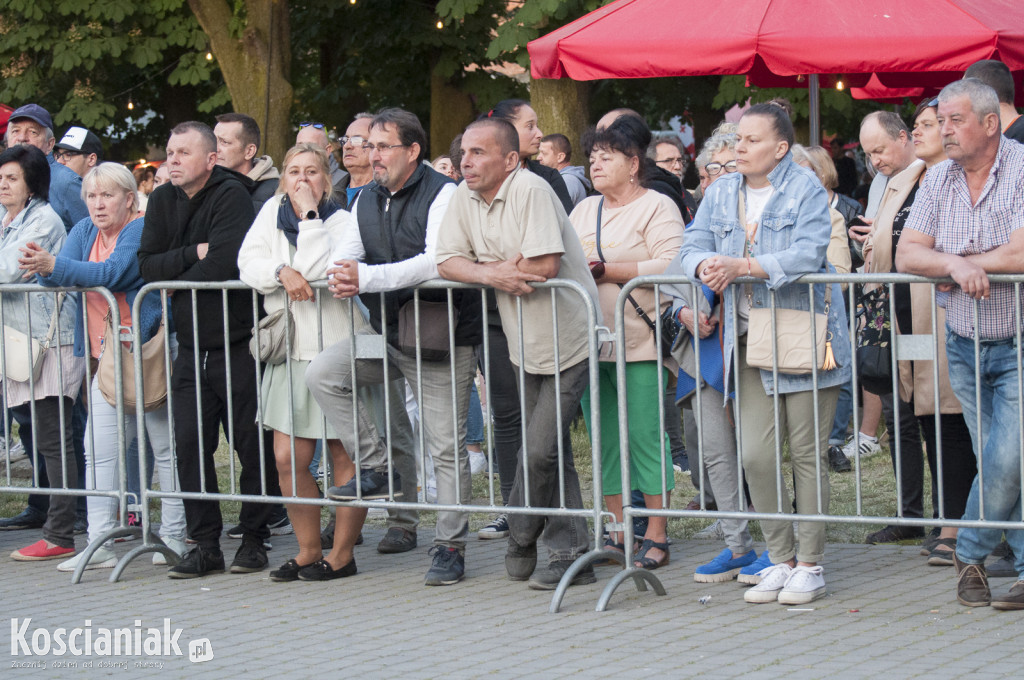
[(101, 250)]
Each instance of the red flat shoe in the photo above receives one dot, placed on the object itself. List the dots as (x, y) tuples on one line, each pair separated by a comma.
[(41, 550)]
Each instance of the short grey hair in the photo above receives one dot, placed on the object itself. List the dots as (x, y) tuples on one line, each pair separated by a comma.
[(115, 176), (47, 136), (889, 121), (652, 148), (983, 98), (703, 158), (716, 143)]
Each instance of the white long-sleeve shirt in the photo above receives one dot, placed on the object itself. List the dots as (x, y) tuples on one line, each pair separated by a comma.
[(377, 278)]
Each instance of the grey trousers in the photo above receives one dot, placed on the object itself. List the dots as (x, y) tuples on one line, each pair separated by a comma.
[(722, 480), (331, 381), (764, 476), (565, 537)]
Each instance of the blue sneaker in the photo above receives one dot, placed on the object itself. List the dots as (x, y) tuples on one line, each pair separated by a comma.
[(749, 573), (725, 567)]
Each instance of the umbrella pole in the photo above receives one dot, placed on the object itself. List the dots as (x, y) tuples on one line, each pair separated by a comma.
[(814, 109)]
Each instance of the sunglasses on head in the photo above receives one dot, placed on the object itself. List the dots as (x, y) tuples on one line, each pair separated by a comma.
[(318, 126)]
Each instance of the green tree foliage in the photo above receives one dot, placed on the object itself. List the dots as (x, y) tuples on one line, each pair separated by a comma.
[(83, 60)]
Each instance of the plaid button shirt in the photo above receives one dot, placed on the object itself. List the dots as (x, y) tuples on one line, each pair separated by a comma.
[(943, 211)]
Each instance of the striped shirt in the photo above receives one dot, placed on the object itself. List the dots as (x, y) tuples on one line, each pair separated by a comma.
[(943, 210), (52, 380)]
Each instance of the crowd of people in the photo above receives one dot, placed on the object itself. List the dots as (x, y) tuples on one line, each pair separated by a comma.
[(506, 210)]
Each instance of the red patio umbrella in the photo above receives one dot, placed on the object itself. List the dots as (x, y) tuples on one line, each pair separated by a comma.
[(776, 41), (5, 115)]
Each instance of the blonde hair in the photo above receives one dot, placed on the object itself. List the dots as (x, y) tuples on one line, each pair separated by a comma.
[(820, 161), (112, 175), (321, 160)]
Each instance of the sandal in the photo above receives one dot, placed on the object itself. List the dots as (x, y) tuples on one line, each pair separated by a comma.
[(942, 558), (644, 562)]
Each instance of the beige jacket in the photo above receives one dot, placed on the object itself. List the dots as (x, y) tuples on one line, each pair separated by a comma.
[(916, 386)]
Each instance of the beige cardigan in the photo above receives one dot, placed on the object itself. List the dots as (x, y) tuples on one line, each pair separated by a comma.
[(917, 386), (265, 248)]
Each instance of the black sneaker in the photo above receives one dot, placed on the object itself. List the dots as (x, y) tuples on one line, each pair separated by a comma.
[(289, 571), (321, 570), (498, 528), (278, 523), (374, 486), (894, 534), (548, 579), (29, 518), (837, 460), (236, 532), (327, 537), (448, 568), (681, 462), (198, 561), (251, 556)]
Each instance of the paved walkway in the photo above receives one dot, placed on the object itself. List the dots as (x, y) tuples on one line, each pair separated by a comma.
[(887, 614)]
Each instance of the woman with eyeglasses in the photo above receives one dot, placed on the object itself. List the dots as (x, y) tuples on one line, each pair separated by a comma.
[(769, 220)]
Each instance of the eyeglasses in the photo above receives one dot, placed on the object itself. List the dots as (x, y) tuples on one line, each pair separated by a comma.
[(671, 161), (355, 139), (64, 154), (714, 168), (318, 126), (934, 102), (381, 148)]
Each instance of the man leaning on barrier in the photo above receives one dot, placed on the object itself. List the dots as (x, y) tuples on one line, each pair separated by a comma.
[(194, 227), (388, 250), (505, 228), (966, 223)]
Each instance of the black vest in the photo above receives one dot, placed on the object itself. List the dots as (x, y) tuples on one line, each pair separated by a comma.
[(393, 228)]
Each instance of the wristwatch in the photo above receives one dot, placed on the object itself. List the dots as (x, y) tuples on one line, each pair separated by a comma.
[(277, 272), (311, 214)]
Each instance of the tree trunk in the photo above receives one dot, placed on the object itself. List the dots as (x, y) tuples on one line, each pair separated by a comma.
[(256, 65), (563, 106), (451, 110)]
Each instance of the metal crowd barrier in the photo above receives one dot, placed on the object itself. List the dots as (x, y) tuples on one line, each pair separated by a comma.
[(64, 486), (905, 347), (373, 347)]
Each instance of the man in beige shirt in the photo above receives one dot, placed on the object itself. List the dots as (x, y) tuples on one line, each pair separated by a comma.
[(505, 228)]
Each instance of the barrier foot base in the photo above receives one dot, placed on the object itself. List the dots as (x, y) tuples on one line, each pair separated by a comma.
[(581, 562), (116, 532), (641, 577), (152, 544)]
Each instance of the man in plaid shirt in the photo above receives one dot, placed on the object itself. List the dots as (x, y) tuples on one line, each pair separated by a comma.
[(966, 224)]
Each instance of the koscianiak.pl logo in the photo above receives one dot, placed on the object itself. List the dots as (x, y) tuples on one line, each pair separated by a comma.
[(89, 641)]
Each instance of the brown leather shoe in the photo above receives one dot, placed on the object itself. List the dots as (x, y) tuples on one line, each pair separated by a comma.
[(1012, 600), (972, 584)]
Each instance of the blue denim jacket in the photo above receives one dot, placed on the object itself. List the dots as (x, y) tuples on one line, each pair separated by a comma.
[(792, 239), (37, 222)]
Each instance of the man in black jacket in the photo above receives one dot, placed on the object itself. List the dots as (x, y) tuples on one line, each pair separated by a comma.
[(389, 249), (194, 228), (238, 142)]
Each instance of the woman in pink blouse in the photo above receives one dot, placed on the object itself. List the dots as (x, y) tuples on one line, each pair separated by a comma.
[(630, 231)]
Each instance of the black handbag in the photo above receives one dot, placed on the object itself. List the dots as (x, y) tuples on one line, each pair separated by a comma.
[(874, 342), (670, 325)]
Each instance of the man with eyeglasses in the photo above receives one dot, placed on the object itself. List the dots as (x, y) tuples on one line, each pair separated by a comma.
[(356, 160), (79, 149), (669, 155), (316, 134), (389, 249)]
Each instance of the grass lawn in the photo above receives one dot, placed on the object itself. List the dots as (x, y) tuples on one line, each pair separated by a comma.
[(877, 492)]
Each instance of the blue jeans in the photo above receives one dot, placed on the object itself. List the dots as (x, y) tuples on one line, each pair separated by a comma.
[(999, 442), (844, 409)]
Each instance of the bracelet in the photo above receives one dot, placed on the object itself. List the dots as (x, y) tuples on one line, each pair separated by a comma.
[(748, 266), (277, 272)]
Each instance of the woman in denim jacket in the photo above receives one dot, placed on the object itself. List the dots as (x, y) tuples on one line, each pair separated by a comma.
[(785, 235)]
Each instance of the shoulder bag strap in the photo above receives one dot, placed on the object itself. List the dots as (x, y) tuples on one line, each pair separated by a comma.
[(54, 320), (636, 306)]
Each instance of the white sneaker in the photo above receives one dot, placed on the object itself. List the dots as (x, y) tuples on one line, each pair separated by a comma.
[(16, 450), (713, 531), (867, 446), (175, 544), (773, 579), (477, 462), (103, 558), (805, 584)]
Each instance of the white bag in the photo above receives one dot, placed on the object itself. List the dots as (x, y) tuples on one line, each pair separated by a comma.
[(16, 349)]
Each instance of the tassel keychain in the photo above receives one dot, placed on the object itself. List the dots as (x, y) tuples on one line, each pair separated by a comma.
[(830, 358)]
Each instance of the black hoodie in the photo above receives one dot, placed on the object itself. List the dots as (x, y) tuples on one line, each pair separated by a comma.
[(220, 214)]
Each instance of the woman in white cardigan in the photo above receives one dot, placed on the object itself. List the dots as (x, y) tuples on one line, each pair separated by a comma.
[(288, 246)]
